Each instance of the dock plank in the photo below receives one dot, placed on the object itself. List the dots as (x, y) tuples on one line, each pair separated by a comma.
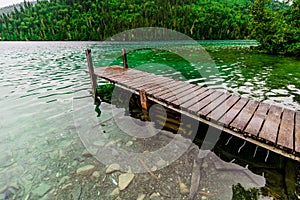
[(257, 120), (201, 104), (227, 118), (286, 130), (242, 119), (139, 82), (188, 98), (270, 128), (118, 75), (213, 105), (297, 133), (168, 88), (193, 101), (181, 97), (176, 93), (150, 85), (223, 108)]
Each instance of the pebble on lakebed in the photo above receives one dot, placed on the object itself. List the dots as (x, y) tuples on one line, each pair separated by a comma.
[(125, 180), (85, 169), (112, 168)]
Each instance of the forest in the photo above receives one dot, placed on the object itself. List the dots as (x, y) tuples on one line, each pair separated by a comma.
[(273, 24)]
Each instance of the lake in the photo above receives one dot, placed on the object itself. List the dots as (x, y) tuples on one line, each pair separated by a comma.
[(40, 83)]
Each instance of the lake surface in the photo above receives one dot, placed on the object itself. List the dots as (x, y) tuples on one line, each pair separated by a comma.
[(39, 81)]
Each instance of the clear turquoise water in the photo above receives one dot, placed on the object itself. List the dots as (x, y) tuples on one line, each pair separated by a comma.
[(38, 81)]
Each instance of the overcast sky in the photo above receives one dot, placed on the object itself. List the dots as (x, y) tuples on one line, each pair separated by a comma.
[(4, 3)]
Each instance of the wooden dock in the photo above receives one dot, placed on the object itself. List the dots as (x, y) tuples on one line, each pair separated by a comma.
[(271, 127)]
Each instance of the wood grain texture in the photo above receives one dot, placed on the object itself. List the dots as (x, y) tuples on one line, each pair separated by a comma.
[(257, 120), (233, 111), (194, 98), (271, 125), (244, 116), (213, 105), (201, 104), (223, 108), (286, 130)]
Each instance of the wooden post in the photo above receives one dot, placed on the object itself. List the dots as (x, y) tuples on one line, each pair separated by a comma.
[(93, 77), (143, 99), (124, 59)]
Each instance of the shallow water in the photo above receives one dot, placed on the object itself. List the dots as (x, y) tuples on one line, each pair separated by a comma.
[(39, 80)]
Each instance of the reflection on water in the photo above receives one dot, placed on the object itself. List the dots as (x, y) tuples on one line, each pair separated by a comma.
[(40, 148)]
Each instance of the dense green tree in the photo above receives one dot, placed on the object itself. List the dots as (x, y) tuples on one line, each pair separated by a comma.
[(275, 25), (277, 32), (98, 20)]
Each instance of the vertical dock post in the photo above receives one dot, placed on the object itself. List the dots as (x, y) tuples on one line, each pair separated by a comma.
[(93, 77), (124, 59), (143, 99), (144, 104)]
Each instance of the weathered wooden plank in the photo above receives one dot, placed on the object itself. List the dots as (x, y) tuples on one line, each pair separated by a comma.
[(233, 111), (194, 99), (189, 97), (150, 85), (223, 108), (286, 130), (242, 119), (257, 120), (297, 133), (136, 82), (270, 128), (213, 105), (201, 104), (176, 92), (117, 73), (167, 88), (187, 93)]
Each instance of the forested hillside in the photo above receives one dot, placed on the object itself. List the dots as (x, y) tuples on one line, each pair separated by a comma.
[(99, 19), (275, 25)]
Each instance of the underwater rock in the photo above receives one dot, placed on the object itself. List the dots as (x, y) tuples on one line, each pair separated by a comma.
[(141, 197), (87, 154), (76, 193), (129, 143), (125, 180), (96, 174), (115, 192), (161, 163), (99, 143), (41, 190), (63, 180), (112, 168), (154, 195), (85, 169), (183, 188)]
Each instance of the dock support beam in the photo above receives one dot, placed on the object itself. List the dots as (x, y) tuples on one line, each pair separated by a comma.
[(144, 104), (124, 59), (143, 99), (93, 77)]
